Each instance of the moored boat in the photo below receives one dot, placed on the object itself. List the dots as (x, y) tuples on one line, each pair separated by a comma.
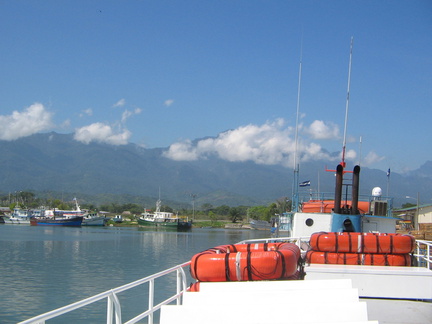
[(69, 213), (260, 224), (56, 221), (93, 219), (18, 216), (88, 219), (165, 220)]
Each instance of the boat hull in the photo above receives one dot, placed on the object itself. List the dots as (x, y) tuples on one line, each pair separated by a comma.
[(260, 225), (75, 221), (16, 221), (19, 216), (177, 225), (99, 221)]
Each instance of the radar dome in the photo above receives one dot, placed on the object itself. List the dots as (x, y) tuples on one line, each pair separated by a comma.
[(377, 192)]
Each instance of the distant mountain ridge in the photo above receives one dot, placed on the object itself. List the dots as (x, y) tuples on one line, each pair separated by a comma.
[(57, 162)]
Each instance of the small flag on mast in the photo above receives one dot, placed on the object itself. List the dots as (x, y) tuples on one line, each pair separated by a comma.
[(304, 183), (388, 173)]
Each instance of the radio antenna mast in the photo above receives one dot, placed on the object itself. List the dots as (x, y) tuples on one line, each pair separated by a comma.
[(295, 198), (347, 104)]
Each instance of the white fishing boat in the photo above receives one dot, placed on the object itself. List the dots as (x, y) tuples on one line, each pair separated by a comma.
[(93, 219), (162, 219), (18, 216), (89, 219), (68, 213)]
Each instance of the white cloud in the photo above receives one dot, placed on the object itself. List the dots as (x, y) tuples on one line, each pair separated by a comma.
[(65, 124), (182, 151), (102, 133), (321, 130), (120, 103), (372, 158), (126, 114), (114, 134), (168, 102), (86, 112), (270, 144), (21, 124), (351, 155)]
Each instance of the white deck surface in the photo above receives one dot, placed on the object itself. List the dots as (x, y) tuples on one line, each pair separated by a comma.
[(260, 302), (399, 311), (376, 281)]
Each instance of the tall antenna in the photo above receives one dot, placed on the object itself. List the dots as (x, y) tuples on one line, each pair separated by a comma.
[(347, 104), (360, 150), (298, 106), (295, 199)]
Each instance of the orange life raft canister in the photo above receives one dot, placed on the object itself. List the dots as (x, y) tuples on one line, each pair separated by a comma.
[(359, 258), (392, 243), (243, 262)]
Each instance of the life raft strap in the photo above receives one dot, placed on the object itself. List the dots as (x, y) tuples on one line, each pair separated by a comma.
[(249, 266), (336, 235), (227, 274), (391, 243), (282, 258)]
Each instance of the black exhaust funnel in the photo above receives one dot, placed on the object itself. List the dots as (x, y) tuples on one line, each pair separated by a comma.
[(355, 190), (338, 190)]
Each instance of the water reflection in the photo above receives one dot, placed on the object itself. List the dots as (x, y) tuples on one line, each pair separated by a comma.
[(46, 268)]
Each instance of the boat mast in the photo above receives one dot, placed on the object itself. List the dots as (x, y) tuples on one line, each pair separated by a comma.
[(295, 198), (347, 104), (158, 203)]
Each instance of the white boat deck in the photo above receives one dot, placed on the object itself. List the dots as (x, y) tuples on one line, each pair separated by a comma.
[(378, 282), (393, 311), (318, 301)]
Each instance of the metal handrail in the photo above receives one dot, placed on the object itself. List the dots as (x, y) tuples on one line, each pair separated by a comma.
[(113, 303), (423, 253)]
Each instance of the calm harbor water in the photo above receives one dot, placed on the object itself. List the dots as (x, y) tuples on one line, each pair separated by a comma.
[(43, 268)]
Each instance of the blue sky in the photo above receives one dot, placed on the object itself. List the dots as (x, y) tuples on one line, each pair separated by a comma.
[(164, 73)]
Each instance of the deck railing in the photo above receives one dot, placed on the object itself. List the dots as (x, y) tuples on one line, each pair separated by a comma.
[(423, 253), (114, 309)]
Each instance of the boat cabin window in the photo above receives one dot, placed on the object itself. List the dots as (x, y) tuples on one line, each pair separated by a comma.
[(309, 222)]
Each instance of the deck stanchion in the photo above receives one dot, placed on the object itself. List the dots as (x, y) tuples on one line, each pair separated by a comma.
[(151, 301)]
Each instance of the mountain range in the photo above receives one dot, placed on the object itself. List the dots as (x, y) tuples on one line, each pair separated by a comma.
[(57, 163)]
